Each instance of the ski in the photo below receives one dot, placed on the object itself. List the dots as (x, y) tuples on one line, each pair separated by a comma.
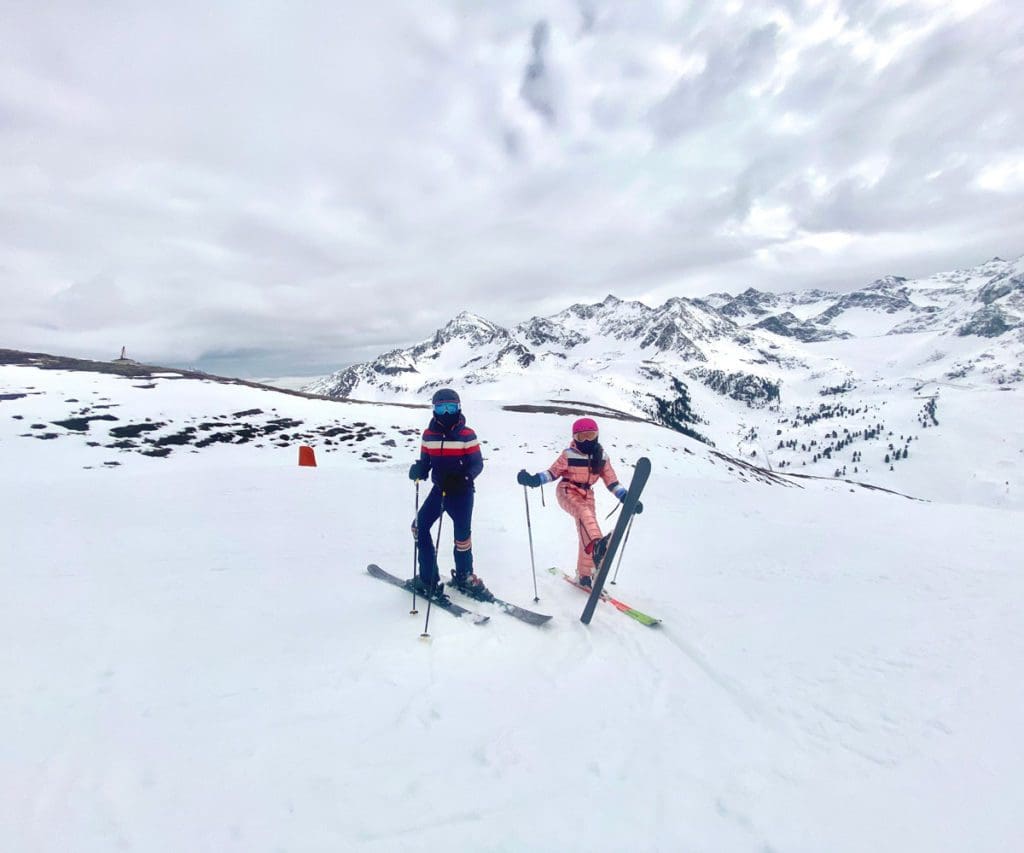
[(640, 474), (520, 613), (639, 615), (444, 603)]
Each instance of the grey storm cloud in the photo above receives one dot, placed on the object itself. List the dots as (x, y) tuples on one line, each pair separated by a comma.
[(286, 188), (729, 67), (537, 85)]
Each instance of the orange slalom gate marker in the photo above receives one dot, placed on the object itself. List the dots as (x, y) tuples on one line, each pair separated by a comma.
[(306, 456)]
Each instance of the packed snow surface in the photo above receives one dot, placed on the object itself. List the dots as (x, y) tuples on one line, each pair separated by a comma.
[(194, 658)]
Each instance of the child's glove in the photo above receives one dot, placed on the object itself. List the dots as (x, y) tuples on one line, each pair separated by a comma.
[(525, 478)]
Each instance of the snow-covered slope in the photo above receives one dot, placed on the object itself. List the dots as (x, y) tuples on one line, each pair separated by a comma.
[(772, 376), (192, 656)]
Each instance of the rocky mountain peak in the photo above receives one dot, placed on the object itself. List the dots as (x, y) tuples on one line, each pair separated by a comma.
[(471, 327), (888, 282), (541, 332), (750, 302)]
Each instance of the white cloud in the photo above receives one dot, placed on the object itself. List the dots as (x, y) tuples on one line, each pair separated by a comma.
[(763, 222), (1006, 176), (308, 183)]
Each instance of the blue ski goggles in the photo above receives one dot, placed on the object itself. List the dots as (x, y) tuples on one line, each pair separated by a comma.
[(446, 408)]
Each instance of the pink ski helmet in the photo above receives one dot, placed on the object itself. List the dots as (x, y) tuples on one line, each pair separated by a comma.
[(584, 425)]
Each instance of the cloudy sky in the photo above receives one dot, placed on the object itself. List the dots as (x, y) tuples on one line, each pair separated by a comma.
[(282, 188)]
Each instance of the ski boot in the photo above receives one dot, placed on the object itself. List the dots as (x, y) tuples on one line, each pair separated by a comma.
[(600, 549), (585, 581), (421, 589), (472, 586)]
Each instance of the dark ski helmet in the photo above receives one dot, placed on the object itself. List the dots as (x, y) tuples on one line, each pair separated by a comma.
[(447, 407), (445, 395)]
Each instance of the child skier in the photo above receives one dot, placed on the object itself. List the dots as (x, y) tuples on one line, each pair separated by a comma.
[(450, 453), (580, 466)]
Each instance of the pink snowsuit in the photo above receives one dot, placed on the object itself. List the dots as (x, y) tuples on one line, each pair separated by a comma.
[(576, 497)]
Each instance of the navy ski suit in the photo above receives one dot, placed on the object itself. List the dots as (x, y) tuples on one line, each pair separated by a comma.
[(452, 457)]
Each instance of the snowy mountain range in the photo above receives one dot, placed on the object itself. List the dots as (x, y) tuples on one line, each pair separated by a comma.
[(756, 373), (971, 322)]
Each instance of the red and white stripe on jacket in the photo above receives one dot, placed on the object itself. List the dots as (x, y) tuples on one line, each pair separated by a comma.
[(452, 452), (573, 467)]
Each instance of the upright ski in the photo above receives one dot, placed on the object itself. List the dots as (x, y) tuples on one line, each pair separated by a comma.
[(640, 474), (621, 606), (443, 602)]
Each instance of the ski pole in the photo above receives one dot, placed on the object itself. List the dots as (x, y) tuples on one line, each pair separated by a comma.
[(440, 521), (622, 550), (617, 508), (529, 531), (542, 496), (415, 549)]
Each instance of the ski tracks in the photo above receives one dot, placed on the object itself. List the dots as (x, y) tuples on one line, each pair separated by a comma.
[(751, 708)]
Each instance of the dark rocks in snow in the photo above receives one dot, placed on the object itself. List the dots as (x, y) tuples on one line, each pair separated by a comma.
[(518, 353), (886, 283), (216, 438), (989, 322), (184, 436), (668, 335), (750, 302), (82, 424), (393, 370), (123, 444), (999, 287), (789, 326), (835, 390), (745, 387), (922, 321), (135, 430), (340, 384), (278, 424), (782, 324), (542, 332), (888, 302)]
